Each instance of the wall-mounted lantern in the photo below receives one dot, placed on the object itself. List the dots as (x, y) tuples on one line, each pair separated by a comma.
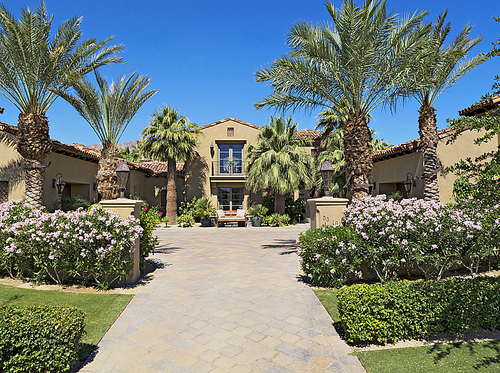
[(212, 150), (122, 173), (58, 183), (409, 182), (327, 172)]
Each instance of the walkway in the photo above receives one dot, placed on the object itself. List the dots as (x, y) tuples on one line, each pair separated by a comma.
[(228, 300)]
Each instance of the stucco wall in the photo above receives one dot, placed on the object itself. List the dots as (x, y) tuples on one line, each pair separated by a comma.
[(11, 166), (199, 172)]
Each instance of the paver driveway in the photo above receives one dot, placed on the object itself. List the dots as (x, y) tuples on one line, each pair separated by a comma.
[(228, 300)]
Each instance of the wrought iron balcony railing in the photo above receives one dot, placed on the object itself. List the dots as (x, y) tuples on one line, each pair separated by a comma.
[(228, 168)]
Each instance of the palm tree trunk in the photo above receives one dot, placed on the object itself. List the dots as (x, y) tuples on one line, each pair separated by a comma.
[(279, 203), (171, 210), (107, 182), (34, 145), (429, 139), (358, 155)]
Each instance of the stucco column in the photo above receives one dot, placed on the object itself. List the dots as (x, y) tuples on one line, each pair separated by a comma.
[(326, 211), (126, 207)]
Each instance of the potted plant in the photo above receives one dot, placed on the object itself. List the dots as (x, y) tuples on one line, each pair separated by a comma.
[(258, 211), (203, 209)]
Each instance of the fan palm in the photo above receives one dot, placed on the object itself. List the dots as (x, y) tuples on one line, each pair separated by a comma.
[(349, 68), (277, 164), (32, 64), (173, 138), (442, 67), (108, 108), (130, 154)]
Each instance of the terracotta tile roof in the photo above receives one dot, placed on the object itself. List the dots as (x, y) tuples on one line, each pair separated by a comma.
[(227, 120), (407, 147), (482, 107), (308, 134), (153, 169)]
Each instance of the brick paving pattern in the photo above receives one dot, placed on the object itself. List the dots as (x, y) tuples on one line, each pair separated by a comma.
[(227, 300)]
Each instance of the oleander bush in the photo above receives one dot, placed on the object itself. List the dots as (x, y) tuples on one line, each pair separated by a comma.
[(93, 245), (149, 218), (39, 338), (396, 310), (414, 236)]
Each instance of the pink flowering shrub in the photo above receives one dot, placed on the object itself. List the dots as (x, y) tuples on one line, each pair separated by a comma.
[(93, 245), (329, 254)]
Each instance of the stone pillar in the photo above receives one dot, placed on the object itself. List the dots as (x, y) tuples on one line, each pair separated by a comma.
[(126, 207), (326, 211)]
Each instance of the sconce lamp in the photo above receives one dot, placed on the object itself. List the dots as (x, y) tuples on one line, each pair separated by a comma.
[(58, 183), (122, 173), (212, 150), (327, 172), (371, 184), (409, 182)]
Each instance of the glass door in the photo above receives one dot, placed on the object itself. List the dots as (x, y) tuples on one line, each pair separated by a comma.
[(230, 159), (230, 199)]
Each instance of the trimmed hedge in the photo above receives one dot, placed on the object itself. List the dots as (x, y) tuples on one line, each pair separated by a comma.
[(413, 309), (39, 338)]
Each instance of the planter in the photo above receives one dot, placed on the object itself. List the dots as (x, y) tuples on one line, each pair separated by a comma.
[(205, 222), (257, 221)]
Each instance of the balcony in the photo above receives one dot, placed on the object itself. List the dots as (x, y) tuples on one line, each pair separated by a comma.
[(228, 168)]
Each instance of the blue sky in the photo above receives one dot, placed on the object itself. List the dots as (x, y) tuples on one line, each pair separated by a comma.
[(201, 57)]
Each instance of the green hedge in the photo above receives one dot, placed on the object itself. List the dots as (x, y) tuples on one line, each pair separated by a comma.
[(413, 309), (39, 338)]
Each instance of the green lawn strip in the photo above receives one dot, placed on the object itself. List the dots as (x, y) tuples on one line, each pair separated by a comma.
[(442, 358), (101, 310), (330, 302)]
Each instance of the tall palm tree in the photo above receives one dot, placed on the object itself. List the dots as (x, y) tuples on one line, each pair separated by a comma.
[(442, 66), (173, 138), (277, 164), (131, 154), (108, 108), (349, 68), (33, 63)]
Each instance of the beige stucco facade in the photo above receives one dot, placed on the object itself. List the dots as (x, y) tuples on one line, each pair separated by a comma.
[(389, 173)]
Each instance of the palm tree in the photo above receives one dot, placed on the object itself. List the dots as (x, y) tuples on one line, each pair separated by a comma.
[(350, 68), (173, 138), (131, 154), (108, 108), (33, 63), (276, 164), (439, 72)]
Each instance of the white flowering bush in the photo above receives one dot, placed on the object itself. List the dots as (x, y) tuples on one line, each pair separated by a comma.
[(94, 245)]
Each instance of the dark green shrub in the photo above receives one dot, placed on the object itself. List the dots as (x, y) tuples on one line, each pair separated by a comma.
[(150, 218), (329, 254), (295, 209), (186, 207), (71, 203), (203, 208), (39, 338), (413, 309)]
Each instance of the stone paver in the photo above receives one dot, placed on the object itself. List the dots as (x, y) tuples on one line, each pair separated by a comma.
[(227, 300)]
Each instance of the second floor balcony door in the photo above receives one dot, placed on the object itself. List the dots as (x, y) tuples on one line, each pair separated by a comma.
[(231, 159)]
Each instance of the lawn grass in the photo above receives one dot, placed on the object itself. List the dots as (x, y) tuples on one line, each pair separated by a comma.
[(449, 358), (442, 358), (101, 310)]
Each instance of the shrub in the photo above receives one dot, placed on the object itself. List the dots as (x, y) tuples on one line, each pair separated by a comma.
[(94, 245), (71, 203), (329, 254), (258, 210), (203, 208), (186, 220), (186, 207), (39, 338), (294, 209), (413, 309), (149, 219), (284, 220)]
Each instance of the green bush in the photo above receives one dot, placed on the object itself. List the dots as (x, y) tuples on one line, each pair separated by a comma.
[(295, 209), (258, 210), (39, 338), (150, 218), (413, 309), (329, 254), (186, 220), (203, 208), (71, 203), (186, 207)]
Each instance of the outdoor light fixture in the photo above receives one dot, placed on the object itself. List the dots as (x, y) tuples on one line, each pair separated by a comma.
[(327, 172), (371, 184), (212, 151), (58, 183), (122, 173), (409, 182)]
